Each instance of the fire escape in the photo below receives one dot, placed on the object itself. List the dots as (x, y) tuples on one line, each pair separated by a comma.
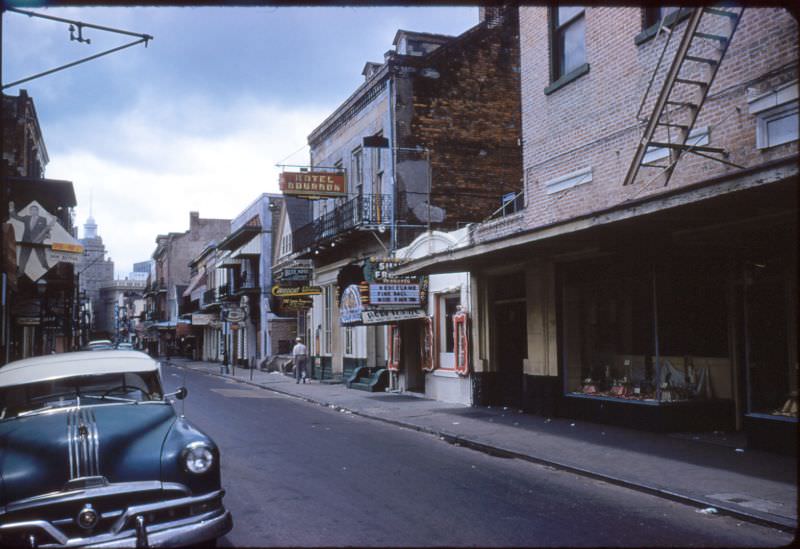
[(683, 91)]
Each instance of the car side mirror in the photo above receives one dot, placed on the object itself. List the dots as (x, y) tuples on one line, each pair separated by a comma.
[(180, 394)]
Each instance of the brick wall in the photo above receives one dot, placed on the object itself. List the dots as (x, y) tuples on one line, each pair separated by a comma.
[(591, 122), (465, 108)]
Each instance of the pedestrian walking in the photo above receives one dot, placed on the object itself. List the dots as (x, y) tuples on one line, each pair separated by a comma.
[(300, 357)]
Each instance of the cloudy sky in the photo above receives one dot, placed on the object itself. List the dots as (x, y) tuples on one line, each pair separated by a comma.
[(198, 119)]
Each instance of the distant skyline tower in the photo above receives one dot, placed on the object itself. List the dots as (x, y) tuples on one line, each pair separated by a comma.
[(94, 270)]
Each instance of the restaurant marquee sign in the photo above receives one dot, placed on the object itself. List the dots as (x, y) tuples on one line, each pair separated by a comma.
[(313, 184)]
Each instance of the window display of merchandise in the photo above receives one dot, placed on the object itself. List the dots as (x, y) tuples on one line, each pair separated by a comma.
[(680, 380), (633, 332), (770, 312)]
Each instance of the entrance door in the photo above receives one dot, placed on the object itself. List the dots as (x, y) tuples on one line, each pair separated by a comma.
[(510, 328), (410, 356)]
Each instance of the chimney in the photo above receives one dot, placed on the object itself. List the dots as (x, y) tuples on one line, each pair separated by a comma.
[(492, 15), (194, 219)]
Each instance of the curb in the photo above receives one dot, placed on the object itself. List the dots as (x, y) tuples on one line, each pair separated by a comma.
[(772, 521)]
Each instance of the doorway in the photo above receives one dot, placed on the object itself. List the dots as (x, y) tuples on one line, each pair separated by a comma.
[(509, 339)]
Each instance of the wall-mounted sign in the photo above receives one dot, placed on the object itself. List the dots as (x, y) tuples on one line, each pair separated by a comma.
[(392, 315), (394, 294), (380, 269), (235, 315), (295, 274), (41, 240), (312, 184), (200, 319), (295, 291), (296, 303), (350, 307)]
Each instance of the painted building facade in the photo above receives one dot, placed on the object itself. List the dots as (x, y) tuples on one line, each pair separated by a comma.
[(667, 301)]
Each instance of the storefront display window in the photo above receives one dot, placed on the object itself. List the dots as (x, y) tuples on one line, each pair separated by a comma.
[(651, 332), (770, 325)]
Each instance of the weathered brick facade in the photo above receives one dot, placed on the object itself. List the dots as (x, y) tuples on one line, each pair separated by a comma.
[(463, 105), (591, 122)]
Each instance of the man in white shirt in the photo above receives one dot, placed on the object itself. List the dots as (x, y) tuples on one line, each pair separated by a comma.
[(299, 357)]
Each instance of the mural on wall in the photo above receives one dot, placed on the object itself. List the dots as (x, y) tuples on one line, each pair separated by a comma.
[(41, 240)]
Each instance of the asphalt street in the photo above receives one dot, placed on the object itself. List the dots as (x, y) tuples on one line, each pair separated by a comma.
[(300, 474)]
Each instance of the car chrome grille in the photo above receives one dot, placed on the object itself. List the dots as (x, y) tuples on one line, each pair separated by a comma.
[(52, 518), (83, 443)]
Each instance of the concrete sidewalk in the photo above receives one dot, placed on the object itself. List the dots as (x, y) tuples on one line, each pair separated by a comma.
[(714, 472)]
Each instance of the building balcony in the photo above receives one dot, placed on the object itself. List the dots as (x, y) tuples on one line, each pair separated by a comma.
[(209, 298), (360, 212)]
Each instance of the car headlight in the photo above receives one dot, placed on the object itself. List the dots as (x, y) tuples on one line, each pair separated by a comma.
[(197, 457)]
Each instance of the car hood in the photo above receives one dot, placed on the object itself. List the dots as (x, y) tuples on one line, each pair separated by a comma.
[(122, 442)]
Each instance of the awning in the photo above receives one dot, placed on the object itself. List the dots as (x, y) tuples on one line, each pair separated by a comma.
[(197, 280), (251, 249), (225, 260), (241, 235)]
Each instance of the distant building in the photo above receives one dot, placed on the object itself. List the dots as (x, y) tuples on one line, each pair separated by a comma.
[(94, 270), (120, 301), (173, 254)]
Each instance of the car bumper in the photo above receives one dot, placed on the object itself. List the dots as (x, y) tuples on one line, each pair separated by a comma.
[(132, 529), (175, 536)]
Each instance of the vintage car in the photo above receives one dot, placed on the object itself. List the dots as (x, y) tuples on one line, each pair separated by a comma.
[(92, 454)]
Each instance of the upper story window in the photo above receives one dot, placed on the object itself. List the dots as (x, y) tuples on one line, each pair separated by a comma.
[(654, 15), (776, 114), (357, 171), (568, 47)]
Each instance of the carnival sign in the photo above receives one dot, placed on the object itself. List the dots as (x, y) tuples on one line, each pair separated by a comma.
[(41, 240), (313, 184)]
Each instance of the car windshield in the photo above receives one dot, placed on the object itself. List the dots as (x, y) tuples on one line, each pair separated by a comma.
[(87, 390)]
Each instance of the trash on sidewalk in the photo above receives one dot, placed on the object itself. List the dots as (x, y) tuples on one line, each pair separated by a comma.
[(708, 511)]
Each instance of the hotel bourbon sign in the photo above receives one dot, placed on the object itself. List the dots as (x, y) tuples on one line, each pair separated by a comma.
[(313, 184)]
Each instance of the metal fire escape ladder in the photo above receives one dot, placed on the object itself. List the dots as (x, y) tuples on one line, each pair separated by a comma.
[(684, 90)]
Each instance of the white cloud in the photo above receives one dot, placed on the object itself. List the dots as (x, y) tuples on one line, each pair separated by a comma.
[(161, 163)]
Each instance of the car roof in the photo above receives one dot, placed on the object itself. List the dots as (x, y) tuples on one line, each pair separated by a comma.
[(81, 363)]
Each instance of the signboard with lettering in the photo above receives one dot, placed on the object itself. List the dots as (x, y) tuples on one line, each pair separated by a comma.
[(295, 274), (295, 291), (200, 319), (350, 307), (377, 316), (313, 184), (41, 240), (394, 294)]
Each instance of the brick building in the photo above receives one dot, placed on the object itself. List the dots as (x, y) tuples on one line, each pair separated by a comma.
[(660, 296), (172, 273), (39, 302), (430, 140)]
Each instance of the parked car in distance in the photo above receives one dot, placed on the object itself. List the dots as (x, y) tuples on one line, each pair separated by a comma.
[(124, 346), (98, 345), (92, 453)]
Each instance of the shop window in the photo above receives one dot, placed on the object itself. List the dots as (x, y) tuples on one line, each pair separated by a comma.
[(328, 327), (643, 333), (447, 306), (770, 336), (348, 341)]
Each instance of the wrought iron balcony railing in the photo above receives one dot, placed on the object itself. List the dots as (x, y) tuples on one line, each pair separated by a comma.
[(360, 211)]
